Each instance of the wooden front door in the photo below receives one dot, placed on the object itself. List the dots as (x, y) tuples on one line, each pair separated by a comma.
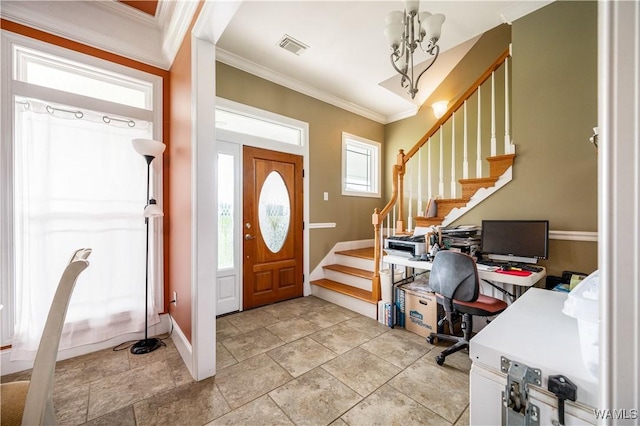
[(272, 227)]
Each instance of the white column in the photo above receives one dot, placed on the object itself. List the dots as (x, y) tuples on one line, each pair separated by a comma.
[(419, 211), (454, 187), (410, 211), (429, 183), (388, 225), (493, 115), (507, 135), (619, 206), (465, 147), (441, 171), (394, 215), (479, 139)]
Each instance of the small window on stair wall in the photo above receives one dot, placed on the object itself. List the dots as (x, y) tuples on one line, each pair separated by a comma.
[(360, 166)]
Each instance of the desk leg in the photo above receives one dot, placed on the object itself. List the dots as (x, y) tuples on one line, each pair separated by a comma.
[(392, 270), (517, 290), (504, 292)]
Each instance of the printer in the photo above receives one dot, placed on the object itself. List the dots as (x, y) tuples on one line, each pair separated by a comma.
[(405, 245)]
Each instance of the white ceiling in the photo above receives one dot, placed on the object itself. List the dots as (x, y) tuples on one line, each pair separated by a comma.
[(347, 63)]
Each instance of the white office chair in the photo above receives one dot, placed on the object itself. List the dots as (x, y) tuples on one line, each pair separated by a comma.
[(31, 402)]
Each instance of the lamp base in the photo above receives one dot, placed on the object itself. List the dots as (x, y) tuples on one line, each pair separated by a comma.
[(146, 345)]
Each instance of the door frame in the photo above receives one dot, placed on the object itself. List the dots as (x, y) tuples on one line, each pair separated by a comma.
[(273, 145)]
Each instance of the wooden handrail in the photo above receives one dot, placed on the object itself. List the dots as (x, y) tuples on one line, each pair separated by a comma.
[(379, 216)]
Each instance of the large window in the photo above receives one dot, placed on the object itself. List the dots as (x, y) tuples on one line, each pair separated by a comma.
[(73, 181), (360, 166)]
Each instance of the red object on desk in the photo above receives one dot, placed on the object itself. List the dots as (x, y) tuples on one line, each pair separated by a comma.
[(514, 272)]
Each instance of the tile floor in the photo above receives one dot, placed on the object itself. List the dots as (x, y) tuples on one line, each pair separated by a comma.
[(302, 362)]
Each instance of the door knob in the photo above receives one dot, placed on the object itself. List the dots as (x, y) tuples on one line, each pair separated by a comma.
[(249, 237)]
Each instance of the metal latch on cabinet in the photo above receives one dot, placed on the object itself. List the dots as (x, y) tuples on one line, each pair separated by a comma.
[(517, 410)]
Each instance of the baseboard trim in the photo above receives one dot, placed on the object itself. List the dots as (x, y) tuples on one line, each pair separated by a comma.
[(8, 366), (183, 346)]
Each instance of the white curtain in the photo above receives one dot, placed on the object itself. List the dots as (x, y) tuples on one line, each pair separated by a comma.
[(78, 183)]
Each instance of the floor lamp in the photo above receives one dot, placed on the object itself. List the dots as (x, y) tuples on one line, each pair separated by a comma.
[(149, 149)]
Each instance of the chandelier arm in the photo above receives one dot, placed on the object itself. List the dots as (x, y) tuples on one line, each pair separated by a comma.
[(435, 56), (403, 74)]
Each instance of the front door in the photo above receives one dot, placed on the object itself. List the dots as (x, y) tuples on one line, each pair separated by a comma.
[(272, 227)]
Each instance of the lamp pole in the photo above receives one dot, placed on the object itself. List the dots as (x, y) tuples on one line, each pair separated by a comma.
[(147, 148)]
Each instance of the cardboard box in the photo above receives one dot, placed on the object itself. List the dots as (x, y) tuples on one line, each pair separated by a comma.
[(421, 311)]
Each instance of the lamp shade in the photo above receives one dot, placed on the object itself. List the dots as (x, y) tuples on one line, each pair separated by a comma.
[(432, 26), (393, 32), (423, 16), (153, 209), (148, 147), (439, 108), (411, 6), (394, 17)]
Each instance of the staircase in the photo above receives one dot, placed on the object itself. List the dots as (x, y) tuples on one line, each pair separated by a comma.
[(353, 280), (473, 192), (348, 282)]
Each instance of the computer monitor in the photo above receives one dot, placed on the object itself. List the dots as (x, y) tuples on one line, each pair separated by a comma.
[(515, 240)]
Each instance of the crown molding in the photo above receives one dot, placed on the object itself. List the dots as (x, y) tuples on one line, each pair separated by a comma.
[(127, 12), (132, 35), (270, 75), (174, 20), (402, 115), (518, 10)]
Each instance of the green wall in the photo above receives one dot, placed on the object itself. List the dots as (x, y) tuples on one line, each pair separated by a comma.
[(554, 110), (352, 215)]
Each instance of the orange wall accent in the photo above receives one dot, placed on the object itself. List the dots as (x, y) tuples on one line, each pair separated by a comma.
[(121, 60), (180, 186), (145, 6), (180, 255)]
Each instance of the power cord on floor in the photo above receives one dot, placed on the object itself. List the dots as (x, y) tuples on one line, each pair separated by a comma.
[(126, 345)]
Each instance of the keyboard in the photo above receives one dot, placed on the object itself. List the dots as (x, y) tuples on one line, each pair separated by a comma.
[(507, 266)]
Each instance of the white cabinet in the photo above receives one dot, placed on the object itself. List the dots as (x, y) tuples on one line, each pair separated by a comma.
[(532, 332)]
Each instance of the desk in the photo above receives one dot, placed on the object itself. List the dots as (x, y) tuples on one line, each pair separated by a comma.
[(516, 284)]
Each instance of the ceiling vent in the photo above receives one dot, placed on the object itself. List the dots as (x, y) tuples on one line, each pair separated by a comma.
[(292, 45)]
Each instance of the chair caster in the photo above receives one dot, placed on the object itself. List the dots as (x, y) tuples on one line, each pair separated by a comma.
[(430, 340), (440, 359)]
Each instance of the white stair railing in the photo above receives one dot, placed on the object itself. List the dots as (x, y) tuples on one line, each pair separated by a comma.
[(420, 169)]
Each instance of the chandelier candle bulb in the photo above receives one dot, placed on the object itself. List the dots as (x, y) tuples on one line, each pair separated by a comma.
[(411, 6)]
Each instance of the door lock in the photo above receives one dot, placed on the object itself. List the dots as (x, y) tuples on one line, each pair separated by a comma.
[(249, 237)]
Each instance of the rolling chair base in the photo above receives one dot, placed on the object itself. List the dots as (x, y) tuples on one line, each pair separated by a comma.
[(459, 343)]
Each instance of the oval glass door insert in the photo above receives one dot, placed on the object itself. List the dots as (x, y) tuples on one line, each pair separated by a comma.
[(274, 213)]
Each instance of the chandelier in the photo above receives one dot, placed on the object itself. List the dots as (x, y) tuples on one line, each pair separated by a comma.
[(407, 30)]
